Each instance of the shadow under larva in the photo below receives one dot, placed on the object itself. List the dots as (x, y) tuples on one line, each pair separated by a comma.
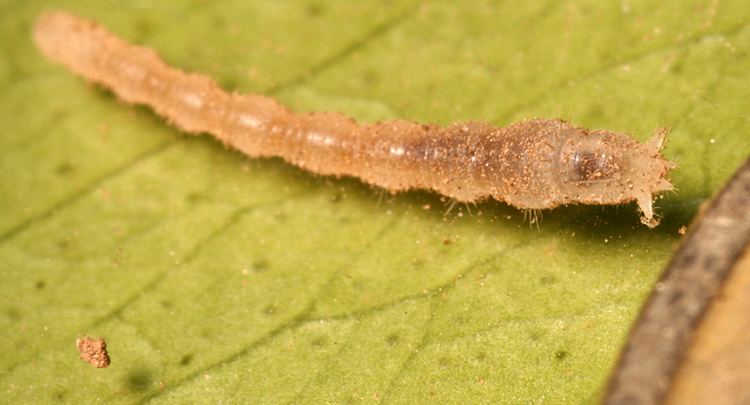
[(532, 165)]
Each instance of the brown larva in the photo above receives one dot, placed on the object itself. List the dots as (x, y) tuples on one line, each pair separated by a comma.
[(536, 164)]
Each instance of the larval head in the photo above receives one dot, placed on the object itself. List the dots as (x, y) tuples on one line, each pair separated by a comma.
[(603, 167)]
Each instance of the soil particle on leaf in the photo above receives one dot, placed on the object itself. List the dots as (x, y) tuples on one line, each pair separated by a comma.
[(93, 351)]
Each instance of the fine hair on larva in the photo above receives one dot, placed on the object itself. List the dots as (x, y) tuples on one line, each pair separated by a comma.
[(532, 165)]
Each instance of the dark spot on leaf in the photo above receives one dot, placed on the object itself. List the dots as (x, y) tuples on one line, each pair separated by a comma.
[(280, 217), (138, 380), (58, 395), (444, 362), (39, 285), (319, 341), (270, 310), (63, 244), (194, 197), (314, 10), (13, 313), (676, 67), (65, 168), (229, 82), (562, 355), (392, 339), (143, 29), (547, 280), (166, 304), (260, 265), (186, 359), (370, 77), (594, 111), (481, 356)]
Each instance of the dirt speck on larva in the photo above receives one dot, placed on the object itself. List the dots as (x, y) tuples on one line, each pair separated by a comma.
[(93, 351)]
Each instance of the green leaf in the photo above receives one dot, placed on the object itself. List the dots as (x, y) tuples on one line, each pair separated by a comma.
[(217, 278)]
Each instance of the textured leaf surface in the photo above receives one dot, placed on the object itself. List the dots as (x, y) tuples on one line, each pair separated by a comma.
[(218, 278)]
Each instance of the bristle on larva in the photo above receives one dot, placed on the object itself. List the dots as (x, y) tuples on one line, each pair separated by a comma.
[(535, 164)]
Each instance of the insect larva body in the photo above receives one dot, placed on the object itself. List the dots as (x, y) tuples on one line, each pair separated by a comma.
[(536, 164)]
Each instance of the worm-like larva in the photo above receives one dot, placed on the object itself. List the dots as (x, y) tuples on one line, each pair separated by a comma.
[(535, 164)]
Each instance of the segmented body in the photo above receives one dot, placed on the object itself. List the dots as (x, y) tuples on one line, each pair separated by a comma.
[(528, 165)]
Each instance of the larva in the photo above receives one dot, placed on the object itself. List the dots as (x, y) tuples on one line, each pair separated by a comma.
[(535, 164)]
